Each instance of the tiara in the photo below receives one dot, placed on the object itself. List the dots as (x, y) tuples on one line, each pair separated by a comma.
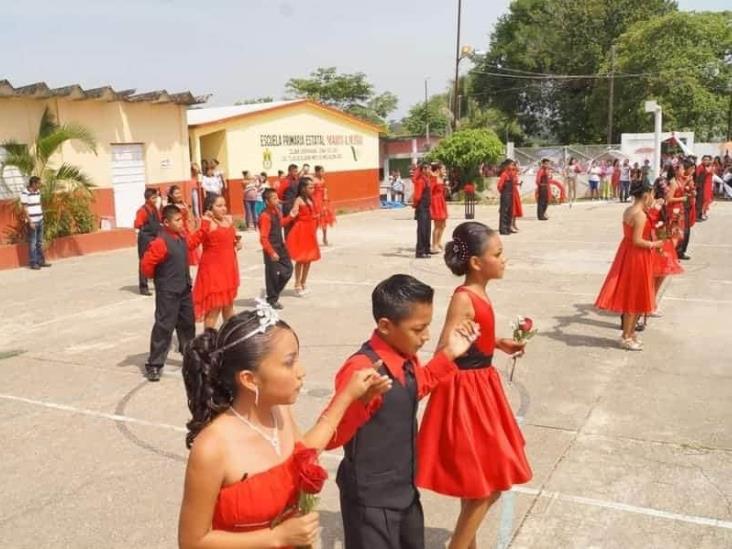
[(267, 317)]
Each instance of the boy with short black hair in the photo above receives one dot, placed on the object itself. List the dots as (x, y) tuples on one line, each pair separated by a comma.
[(148, 224), (380, 504), (166, 260), (277, 264)]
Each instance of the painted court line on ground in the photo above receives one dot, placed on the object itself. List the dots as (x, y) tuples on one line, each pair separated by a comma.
[(592, 502)]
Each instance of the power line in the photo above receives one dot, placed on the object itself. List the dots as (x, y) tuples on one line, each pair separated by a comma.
[(565, 76)]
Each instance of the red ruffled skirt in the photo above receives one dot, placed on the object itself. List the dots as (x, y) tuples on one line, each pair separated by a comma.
[(302, 241), (469, 444), (217, 283), (438, 207), (518, 209), (628, 287), (666, 263)]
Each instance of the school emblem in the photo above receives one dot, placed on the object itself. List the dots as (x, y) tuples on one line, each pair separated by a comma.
[(267, 159)]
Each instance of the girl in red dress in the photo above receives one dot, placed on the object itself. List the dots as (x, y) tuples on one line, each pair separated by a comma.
[(247, 454), (628, 287), (469, 443), (302, 240), (217, 279), (322, 203), (438, 206), (175, 196), (518, 209)]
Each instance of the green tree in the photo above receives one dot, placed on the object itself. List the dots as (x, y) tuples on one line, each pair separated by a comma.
[(465, 150), (349, 92), (65, 190), (687, 57), (435, 112), (540, 37)]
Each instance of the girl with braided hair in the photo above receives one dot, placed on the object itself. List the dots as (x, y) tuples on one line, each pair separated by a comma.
[(469, 444), (247, 453)]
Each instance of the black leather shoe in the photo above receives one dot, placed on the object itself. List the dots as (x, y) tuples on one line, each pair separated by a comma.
[(685, 257), (423, 256), (35, 267), (276, 305), (153, 373), (44, 264), (145, 291)]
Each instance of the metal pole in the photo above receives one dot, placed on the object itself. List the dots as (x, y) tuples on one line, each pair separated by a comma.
[(426, 114), (658, 120), (611, 97), (457, 64), (729, 114)]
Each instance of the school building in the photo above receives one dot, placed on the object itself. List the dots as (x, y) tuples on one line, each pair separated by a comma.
[(270, 136), (142, 140)]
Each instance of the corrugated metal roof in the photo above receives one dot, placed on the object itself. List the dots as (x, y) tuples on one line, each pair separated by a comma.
[(214, 114), (40, 90)]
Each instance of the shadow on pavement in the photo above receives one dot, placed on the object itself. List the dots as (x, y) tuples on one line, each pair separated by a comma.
[(581, 317)]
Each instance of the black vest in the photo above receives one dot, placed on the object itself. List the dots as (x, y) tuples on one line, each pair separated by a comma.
[(172, 275), (151, 228), (426, 198), (275, 232), (380, 460), (289, 196)]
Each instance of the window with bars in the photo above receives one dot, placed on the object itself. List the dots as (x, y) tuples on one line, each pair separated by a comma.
[(12, 182)]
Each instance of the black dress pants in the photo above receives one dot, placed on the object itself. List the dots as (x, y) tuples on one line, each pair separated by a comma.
[(424, 222), (276, 273), (381, 528), (506, 209), (173, 312), (542, 201), (684, 244), (142, 244), (700, 202)]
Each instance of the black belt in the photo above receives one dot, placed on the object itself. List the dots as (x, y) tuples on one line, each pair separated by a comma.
[(474, 360)]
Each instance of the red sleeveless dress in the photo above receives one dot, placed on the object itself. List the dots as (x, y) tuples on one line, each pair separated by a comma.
[(438, 204), (302, 240), (255, 501), (217, 280), (518, 209), (326, 216), (628, 287), (469, 443), (666, 260)]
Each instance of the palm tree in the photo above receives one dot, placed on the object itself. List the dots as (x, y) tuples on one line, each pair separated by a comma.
[(66, 190)]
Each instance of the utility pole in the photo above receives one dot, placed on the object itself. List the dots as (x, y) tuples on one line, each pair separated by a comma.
[(611, 98), (426, 114), (457, 65)]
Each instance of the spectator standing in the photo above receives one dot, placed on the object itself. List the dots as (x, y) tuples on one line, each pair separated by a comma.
[(625, 181), (397, 187), (251, 188), (30, 198), (211, 184)]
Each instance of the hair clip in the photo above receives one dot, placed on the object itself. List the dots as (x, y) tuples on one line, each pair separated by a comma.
[(460, 248), (268, 317)]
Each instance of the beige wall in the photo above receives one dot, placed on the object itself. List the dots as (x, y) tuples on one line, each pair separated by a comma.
[(333, 142), (161, 128)]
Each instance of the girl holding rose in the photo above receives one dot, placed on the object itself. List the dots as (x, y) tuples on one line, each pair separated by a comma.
[(249, 464), (469, 444)]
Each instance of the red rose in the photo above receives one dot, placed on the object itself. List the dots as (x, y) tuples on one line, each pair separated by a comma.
[(312, 476), (526, 325)]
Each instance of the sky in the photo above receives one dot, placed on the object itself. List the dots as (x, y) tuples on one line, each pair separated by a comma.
[(243, 49)]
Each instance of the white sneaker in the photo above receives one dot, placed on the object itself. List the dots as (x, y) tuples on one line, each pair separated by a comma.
[(630, 345), (656, 314)]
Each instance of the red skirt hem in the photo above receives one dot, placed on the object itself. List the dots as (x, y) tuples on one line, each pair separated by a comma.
[(213, 301)]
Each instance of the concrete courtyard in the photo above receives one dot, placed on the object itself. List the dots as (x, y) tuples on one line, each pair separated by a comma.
[(628, 449)]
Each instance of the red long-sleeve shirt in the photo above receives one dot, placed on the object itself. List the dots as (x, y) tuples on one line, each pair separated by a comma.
[(143, 213), (420, 183), (157, 251), (265, 224), (427, 378)]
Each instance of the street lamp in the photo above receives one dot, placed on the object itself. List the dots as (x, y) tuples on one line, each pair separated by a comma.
[(655, 108)]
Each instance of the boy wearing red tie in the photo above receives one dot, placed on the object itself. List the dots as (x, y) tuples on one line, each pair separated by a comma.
[(380, 504), (166, 260), (421, 201), (147, 223), (277, 264), (542, 189)]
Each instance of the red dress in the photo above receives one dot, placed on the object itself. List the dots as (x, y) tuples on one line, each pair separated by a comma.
[(469, 443), (666, 260), (438, 204), (302, 241), (322, 206), (255, 501), (628, 287), (518, 209), (217, 280)]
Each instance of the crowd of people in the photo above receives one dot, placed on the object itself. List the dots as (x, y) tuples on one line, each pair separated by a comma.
[(242, 374)]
